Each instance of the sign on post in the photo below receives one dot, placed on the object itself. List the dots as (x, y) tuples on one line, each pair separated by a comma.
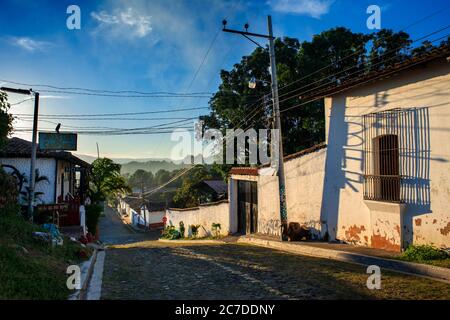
[(58, 141)]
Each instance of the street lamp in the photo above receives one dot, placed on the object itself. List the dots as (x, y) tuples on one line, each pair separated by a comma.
[(253, 81), (33, 143)]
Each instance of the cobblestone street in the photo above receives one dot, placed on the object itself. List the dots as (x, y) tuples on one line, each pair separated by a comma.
[(140, 268)]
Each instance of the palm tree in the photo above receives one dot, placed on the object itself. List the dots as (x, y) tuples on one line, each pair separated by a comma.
[(20, 177), (37, 195)]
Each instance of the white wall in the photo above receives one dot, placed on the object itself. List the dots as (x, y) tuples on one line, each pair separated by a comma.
[(154, 216), (46, 168), (268, 205), (304, 190), (204, 215)]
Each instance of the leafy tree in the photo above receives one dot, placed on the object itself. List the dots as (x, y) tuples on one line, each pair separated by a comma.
[(5, 119), (188, 195), (106, 180), (331, 57), (162, 176), (141, 179)]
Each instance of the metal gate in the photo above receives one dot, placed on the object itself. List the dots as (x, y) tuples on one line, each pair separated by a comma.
[(247, 207)]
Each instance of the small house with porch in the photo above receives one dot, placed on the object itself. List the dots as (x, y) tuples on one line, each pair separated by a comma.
[(67, 175)]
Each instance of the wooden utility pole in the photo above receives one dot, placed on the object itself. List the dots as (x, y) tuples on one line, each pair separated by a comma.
[(276, 113)]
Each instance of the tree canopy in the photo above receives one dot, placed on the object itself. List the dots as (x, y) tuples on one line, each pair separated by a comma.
[(106, 180), (5, 119), (330, 58)]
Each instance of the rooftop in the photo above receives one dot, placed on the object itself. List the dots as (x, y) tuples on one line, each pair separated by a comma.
[(19, 148)]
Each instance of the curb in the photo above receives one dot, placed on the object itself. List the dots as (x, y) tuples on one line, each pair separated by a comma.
[(86, 273), (83, 291), (191, 241), (411, 268)]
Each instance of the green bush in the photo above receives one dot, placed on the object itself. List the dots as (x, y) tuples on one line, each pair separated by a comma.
[(171, 233), (424, 253), (215, 228), (8, 189), (194, 230), (182, 229), (93, 212)]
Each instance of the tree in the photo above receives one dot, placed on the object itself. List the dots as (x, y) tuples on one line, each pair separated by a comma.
[(188, 195), (5, 119), (37, 194), (141, 179), (106, 180), (331, 57)]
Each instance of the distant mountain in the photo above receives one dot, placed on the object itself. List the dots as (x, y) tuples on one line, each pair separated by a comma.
[(151, 165), (129, 165), (91, 159)]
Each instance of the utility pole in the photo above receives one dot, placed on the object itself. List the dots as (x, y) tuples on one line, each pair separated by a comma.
[(33, 144), (33, 155), (276, 113)]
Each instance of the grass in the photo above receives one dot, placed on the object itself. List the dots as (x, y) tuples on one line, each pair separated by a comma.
[(426, 254), (30, 269)]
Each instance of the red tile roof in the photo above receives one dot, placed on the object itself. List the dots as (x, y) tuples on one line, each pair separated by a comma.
[(244, 171)]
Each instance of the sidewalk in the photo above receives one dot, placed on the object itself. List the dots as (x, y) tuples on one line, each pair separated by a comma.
[(351, 254)]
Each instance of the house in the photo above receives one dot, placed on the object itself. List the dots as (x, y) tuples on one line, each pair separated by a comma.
[(212, 190), (67, 175), (140, 212), (382, 177)]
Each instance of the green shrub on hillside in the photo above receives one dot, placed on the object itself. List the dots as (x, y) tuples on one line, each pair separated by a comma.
[(93, 212), (422, 253)]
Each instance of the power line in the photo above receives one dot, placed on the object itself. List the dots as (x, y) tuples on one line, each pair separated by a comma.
[(361, 70), (347, 88), (101, 91), (114, 114), (362, 50)]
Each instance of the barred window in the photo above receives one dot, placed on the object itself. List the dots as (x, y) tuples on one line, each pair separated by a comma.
[(396, 151), (382, 160)]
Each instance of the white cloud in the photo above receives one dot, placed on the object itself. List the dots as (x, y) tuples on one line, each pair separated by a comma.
[(127, 22), (313, 8), (29, 44)]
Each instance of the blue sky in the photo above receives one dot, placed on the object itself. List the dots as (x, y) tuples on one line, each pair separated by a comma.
[(158, 46)]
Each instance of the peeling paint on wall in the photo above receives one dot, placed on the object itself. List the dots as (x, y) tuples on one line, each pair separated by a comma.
[(381, 242), (353, 233), (446, 230)]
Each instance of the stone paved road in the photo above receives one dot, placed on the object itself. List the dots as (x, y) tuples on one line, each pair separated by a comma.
[(153, 270), (114, 231)]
